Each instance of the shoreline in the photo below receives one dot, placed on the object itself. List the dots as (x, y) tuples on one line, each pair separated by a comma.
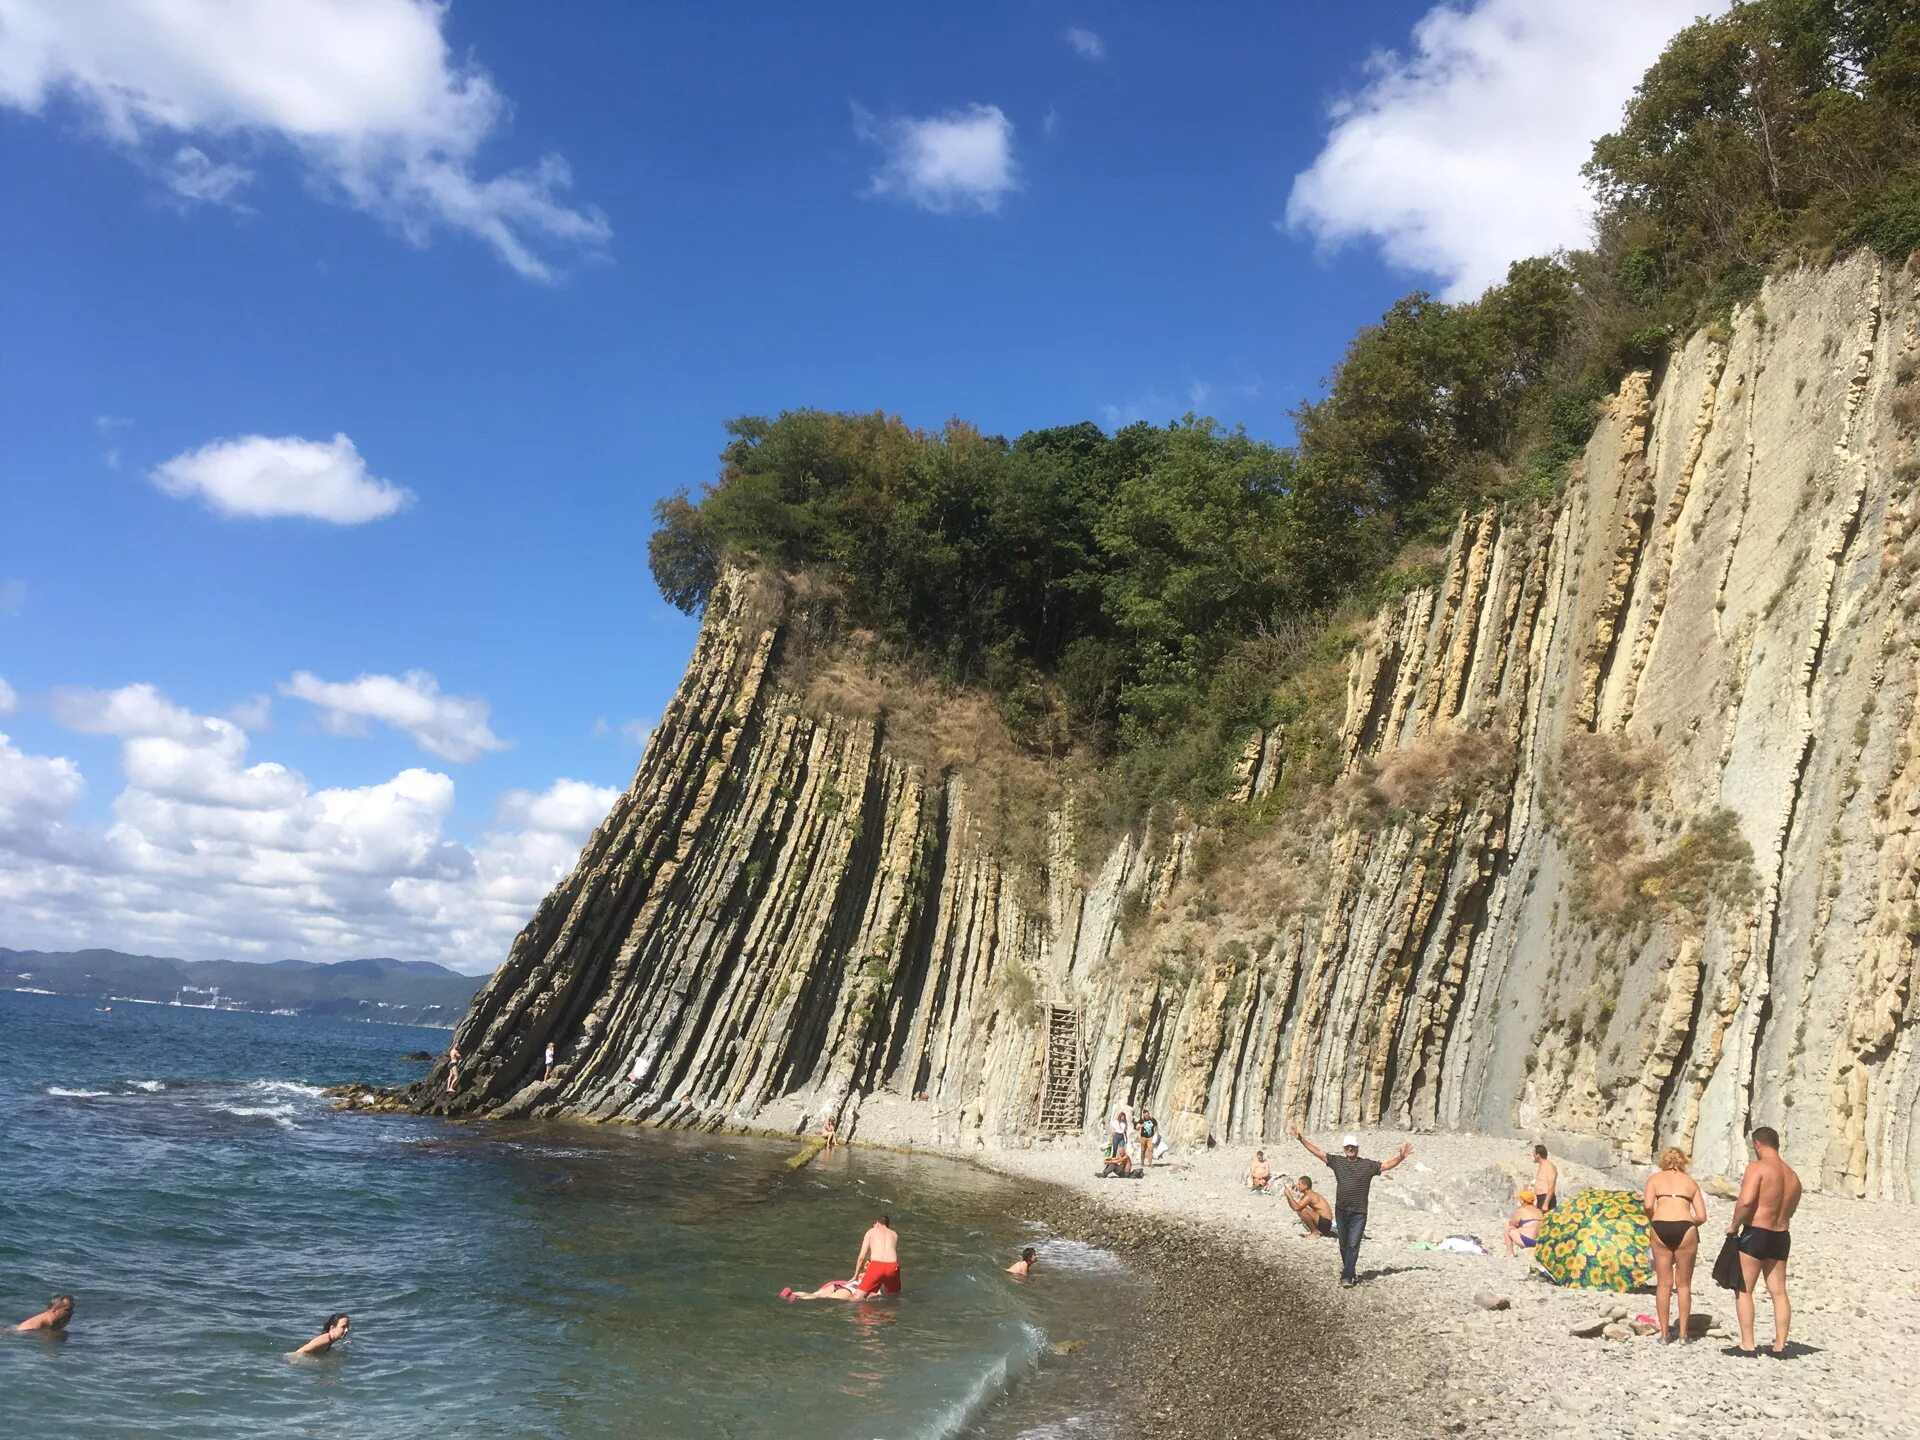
[(1245, 1331), (1411, 1351), (1228, 1343)]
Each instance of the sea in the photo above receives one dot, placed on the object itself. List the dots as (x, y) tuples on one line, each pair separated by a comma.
[(181, 1174)]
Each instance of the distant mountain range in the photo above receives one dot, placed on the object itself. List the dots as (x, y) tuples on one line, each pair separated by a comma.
[(395, 992)]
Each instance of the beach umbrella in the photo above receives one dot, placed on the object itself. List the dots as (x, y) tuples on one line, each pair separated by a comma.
[(1596, 1241)]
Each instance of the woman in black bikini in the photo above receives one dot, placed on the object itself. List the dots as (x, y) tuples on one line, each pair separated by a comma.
[(1676, 1209)]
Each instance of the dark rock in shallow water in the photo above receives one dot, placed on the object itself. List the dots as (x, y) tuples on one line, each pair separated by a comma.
[(418, 1057)]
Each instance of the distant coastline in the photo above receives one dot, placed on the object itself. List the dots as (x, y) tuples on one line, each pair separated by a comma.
[(380, 991)]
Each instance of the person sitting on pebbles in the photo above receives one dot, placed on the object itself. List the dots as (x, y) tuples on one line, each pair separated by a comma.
[(1259, 1173), (1524, 1224), (1313, 1208)]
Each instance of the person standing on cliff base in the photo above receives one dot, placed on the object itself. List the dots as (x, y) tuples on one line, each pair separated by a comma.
[(1353, 1182), (547, 1074), (1769, 1194)]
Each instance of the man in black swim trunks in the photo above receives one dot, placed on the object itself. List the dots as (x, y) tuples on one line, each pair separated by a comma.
[(1769, 1194)]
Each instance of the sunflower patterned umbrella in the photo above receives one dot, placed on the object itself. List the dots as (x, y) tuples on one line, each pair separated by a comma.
[(1597, 1241)]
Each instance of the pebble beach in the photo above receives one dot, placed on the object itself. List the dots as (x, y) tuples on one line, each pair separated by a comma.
[(1250, 1333)]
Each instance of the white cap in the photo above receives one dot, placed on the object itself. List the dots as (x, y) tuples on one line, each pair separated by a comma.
[(1353, 1140)]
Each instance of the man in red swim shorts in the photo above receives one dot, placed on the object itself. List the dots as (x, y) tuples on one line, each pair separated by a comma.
[(879, 1264), (876, 1272)]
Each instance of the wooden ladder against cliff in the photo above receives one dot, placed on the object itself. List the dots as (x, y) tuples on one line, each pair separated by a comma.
[(1062, 1090)]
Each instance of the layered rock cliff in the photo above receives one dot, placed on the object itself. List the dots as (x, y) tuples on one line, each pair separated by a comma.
[(1625, 849)]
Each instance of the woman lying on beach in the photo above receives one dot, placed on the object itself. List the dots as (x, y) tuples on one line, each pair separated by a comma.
[(1676, 1210)]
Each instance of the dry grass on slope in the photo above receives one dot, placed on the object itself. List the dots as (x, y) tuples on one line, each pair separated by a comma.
[(1607, 798), (1012, 794)]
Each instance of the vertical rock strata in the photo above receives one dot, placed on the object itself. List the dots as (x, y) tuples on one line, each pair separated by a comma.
[(1626, 850)]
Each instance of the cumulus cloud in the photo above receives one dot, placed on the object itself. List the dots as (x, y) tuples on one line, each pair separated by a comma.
[(211, 853), (452, 727), (172, 753), (1086, 44), (36, 792), (255, 477), (129, 712), (567, 808), (1463, 153), (950, 163), (366, 92), (9, 697)]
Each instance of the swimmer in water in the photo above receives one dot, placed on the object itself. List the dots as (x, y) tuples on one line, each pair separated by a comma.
[(51, 1320), (330, 1335), (832, 1290), (1023, 1267), (876, 1269)]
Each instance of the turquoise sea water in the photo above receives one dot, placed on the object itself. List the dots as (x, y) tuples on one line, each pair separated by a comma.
[(179, 1173)]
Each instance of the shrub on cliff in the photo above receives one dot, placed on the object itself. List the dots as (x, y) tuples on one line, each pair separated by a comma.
[(1128, 585)]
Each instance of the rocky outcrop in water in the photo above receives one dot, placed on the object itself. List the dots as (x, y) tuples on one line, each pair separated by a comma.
[(1625, 852)]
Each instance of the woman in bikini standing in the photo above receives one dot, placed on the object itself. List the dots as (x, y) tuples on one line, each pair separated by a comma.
[(1676, 1209)]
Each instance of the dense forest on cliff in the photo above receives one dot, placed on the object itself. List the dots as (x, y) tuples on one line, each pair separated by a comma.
[(1148, 596)]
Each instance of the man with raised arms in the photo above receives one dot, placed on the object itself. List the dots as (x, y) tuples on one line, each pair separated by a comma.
[(51, 1320), (1353, 1180), (1769, 1194)]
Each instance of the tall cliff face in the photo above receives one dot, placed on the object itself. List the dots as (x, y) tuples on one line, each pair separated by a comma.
[(1625, 849)]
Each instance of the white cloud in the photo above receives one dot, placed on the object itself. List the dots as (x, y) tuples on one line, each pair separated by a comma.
[(452, 727), (9, 697), (365, 91), (253, 713), (1465, 153), (567, 807), (209, 854), (1086, 44), (958, 161), (192, 175), (129, 712), (36, 792), (173, 753), (256, 477)]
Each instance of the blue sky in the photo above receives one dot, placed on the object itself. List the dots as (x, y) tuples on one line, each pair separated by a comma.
[(270, 692)]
